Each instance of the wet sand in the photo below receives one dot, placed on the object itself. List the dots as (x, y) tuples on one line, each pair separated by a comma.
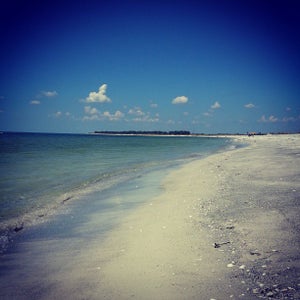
[(224, 227)]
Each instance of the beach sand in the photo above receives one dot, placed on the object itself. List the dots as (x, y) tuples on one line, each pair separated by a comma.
[(224, 227)]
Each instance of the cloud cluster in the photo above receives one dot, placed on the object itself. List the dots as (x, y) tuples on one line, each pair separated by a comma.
[(136, 111), (90, 110), (270, 119), (99, 96), (49, 94), (113, 117), (136, 114), (43, 94), (180, 100), (93, 114), (273, 119), (213, 107), (249, 105), (133, 115), (216, 105), (60, 114), (35, 102)]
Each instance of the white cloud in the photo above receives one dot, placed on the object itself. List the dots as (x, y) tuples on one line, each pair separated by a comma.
[(153, 105), (35, 102), (99, 96), (133, 115), (58, 114), (249, 105), (113, 117), (136, 112), (271, 119), (119, 114), (61, 114), (207, 114), (212, 109), (49, 93), (94, 115), (90, 110), (216, 105), (140, 116), (180, 100)]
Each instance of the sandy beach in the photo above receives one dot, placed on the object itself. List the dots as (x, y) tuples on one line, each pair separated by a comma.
[(223, 227)]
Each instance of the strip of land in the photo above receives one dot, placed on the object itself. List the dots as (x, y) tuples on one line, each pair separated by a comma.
[(224, 227), (145, 133)]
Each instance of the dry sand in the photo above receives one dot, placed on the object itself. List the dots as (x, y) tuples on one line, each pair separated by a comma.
[(224, 227)]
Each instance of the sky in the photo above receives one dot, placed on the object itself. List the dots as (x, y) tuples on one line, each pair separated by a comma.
[(203, 66)]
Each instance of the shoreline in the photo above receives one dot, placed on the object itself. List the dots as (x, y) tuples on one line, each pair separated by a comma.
[(223, 227), (211, 234)]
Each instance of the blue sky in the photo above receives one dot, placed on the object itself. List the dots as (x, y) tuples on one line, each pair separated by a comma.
[(204, 66)]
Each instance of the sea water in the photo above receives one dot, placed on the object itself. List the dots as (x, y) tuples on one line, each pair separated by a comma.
[(41, 173)]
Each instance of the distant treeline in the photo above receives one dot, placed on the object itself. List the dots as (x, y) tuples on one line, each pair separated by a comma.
[(134, 132)]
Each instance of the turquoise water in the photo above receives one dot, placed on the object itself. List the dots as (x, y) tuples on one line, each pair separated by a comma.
[(38, 172)]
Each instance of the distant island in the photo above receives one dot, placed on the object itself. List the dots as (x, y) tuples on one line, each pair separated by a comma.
[(134, 132), (178, 133)]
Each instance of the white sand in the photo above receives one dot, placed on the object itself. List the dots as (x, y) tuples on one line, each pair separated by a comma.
[(245, 202)]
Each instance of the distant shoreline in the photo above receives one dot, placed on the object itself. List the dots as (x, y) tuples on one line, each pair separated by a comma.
[(145, 133), (151, 133), (181, 133), (162, 133)]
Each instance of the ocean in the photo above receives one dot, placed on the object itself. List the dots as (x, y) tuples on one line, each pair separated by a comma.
[(45, 175)]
